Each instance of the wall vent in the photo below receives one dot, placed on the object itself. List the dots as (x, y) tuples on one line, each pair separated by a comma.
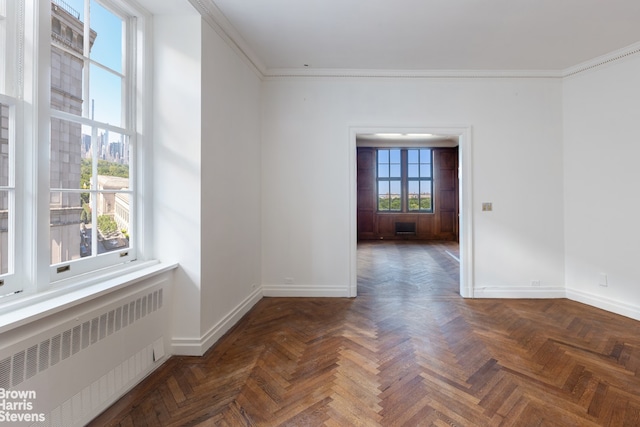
[(35, 359), (406, 228)]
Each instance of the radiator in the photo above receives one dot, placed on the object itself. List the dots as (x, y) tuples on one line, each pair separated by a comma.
[(67, 368)]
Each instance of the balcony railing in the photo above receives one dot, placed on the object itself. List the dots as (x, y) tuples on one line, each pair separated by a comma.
[(65, 6)]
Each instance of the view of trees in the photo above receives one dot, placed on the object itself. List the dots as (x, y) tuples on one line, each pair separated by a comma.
[(107, 225), (104, 168), (394, 203), (423, 204), (386, 204)]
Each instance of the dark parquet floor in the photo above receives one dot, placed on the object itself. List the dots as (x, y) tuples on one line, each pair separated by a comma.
[(408, 351)]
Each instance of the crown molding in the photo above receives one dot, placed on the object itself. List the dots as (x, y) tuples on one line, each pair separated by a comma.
[(274, 74), (615, 56), (216, 19)]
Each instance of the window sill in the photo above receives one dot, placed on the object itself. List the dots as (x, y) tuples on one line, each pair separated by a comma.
[(33, 307)]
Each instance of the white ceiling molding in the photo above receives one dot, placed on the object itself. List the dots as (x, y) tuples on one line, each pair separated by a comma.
[(616, 55), (410, 74), (214, 17), (218, 21)]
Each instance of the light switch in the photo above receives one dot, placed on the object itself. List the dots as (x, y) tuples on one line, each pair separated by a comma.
[(487, 206)]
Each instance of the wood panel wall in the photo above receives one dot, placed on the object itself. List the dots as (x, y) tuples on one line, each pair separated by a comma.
[(442, 224)]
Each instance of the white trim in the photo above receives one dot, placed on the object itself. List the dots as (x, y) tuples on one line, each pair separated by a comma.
[(28, 309), (221, 25), (198, 346), (465, 179), (70, 117), (216, 19), (615, 56), (520, 292), (280, 73), (306, 291), (602, 303)]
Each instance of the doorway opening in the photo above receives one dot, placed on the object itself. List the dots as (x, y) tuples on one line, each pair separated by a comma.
[(419, 204)]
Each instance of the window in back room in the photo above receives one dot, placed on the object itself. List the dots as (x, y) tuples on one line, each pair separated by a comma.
[(404, 180)]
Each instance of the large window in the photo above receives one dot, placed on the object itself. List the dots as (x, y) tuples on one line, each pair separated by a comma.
[(405, 180), (68, 153), (91, 134)]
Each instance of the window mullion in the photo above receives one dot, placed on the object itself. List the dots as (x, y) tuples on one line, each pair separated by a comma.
[(404, 177), (86, 51), (37, 137)]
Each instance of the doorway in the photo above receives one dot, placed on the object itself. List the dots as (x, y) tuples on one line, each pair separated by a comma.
[(416, 137)]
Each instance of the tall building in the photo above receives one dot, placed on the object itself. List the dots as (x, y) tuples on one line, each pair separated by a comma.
[(68, 145)]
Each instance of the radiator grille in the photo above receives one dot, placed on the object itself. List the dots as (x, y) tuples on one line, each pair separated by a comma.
[(31, 361)]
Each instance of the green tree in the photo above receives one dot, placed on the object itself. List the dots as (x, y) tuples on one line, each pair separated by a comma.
[(107, 225), (85, 216), (104, 168)]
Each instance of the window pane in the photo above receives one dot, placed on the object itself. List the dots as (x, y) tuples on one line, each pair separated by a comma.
[(383, 195), (395, 196), (425, 155), (414, 188), (106, 96), (414, 195), (113, 221), (68, 148), (413, 171), (4, 145), (395, 171), (6, 171), (383, 156), (394, 155), (113, 154), (4, 232), (425, 171), (73, 169), (67, 62), (65, 227), (412, 156), (383, 171), (107, 47), (425, 195)]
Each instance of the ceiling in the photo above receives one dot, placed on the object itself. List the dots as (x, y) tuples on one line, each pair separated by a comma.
[(428, 34)]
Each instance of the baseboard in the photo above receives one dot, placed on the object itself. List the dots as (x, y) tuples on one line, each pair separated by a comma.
[(306, 291), (197, 347), (520, 292), (606, 304)]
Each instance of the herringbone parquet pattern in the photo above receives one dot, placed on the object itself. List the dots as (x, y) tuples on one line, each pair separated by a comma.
[(407, 352)]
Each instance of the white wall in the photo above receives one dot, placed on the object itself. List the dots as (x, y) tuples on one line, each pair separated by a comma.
[(230, 187), (207, 178), (517, 165), (177, 163), (601, 173)]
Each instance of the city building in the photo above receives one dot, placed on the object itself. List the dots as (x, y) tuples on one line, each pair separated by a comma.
[(66, 137)]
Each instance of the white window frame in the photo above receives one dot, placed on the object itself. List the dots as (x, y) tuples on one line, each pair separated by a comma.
[(33, 272), (10, 93)]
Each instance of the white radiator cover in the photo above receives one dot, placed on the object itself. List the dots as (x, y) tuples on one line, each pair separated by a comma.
[(65, 369)]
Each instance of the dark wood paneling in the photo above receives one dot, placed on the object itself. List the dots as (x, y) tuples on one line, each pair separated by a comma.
[(366, 181), (442, 224), (446, 192), (365, 222), (386, 225)]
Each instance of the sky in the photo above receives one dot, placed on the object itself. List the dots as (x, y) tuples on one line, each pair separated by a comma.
[(105, 87)]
